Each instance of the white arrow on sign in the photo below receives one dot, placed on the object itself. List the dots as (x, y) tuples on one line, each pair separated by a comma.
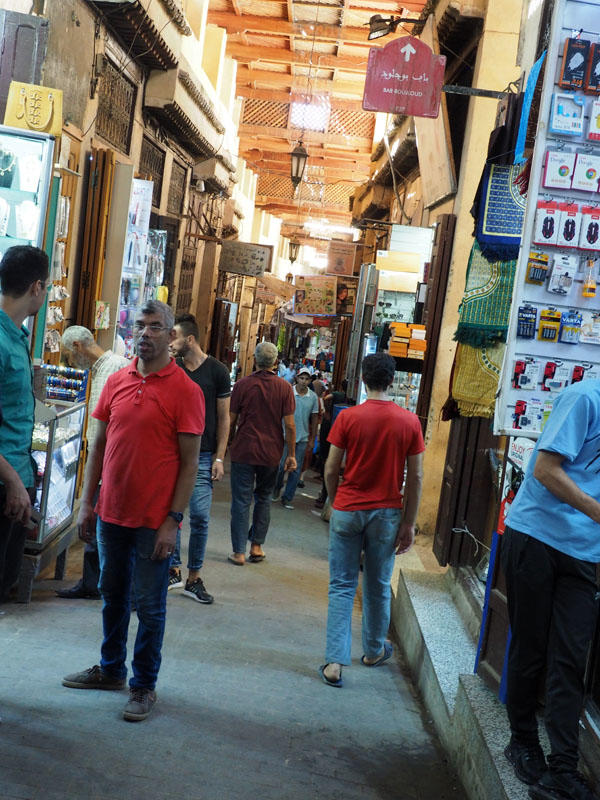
[(408, 51)]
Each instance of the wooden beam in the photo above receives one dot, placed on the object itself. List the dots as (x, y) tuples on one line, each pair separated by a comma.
[(278, 55), (350, 167), (279, 80), (282, 169), (250, 23), (283, 96), (359, 143), (279, 207)]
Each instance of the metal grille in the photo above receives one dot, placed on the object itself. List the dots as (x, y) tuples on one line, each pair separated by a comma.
[(186, 283), (116, 105), (176, 189), (265, 112), (351, 123), (152, 164)]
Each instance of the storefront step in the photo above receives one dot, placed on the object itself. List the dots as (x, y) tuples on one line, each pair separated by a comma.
[(440, 652)]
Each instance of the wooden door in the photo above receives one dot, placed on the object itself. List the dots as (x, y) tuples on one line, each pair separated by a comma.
[(467, 500), (437, 284), (23, 50)]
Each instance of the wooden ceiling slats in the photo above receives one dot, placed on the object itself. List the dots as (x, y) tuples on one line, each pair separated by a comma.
[(287, 50)]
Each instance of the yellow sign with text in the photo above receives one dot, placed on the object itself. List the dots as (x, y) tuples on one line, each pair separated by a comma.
[(34, 108)]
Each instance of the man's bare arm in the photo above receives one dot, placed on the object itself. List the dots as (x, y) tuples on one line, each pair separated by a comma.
[(222, 437), (86, 520), (290, 440), (549, 472), (189, 450), (332, 471), (412, 498), (18, 503)]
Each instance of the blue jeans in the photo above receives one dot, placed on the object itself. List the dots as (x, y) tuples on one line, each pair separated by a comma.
[(125, 557), (248, 480), (200, 502), (373, 531), (293, 477)]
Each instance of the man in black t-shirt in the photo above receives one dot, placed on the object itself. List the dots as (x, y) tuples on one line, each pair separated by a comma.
[(213, 378)]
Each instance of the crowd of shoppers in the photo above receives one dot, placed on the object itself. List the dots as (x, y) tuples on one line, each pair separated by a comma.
[(157, 435)]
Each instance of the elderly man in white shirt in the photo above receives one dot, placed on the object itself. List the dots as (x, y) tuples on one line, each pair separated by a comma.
[(81, 351)]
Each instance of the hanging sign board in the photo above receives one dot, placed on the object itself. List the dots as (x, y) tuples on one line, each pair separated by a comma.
[(340, 258), (245, 258), (404, 77)]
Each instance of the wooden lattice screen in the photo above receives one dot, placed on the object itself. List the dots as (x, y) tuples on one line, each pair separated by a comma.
[(265, 112), (351, 123), (338, 194)]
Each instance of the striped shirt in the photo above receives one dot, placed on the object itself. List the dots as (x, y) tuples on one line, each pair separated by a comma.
[(106, 365)]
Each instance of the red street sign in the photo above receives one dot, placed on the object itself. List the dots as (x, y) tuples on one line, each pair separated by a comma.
[(404, 77)]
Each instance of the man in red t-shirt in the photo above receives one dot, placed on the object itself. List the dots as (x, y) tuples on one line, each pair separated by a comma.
[(262, 405), (369, 513), (150, 418)]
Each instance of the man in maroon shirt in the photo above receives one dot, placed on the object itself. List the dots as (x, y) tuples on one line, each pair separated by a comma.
[(150, 418), (369, 513), (260, 403)]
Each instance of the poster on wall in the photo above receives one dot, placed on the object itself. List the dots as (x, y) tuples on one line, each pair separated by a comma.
[(315, 294), (345, 296), (340, 259)]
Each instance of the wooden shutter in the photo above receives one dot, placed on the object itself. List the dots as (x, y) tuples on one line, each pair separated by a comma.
[(22, 51)]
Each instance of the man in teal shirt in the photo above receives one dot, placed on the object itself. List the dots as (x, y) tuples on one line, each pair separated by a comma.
[(24, 272)]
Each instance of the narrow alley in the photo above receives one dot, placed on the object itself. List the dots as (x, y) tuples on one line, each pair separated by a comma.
[(241, 713)]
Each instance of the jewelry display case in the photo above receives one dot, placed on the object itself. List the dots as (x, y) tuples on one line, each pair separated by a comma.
[(56, 448), (25, 171)]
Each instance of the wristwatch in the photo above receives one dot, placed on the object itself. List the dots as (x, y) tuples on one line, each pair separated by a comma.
[(177, 516)]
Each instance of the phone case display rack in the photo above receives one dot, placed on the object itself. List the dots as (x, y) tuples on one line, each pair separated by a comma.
[(554, 332), (55, 448)]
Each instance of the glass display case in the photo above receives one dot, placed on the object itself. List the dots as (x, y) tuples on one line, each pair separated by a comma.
[(25, 171), (55, 448)]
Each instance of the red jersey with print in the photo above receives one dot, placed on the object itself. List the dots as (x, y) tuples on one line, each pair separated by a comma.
[(377, 436), (144, 415)]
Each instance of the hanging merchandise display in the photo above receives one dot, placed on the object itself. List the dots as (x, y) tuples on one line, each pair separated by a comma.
[(554, 331)]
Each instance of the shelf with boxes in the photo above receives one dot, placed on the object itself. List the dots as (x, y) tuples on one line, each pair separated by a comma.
[(408, 340)]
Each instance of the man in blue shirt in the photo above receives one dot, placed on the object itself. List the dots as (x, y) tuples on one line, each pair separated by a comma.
[(24, 274), (549, 554), (305, 417)]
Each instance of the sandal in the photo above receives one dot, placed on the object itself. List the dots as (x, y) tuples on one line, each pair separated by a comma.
[(387, 653), (337, 683)]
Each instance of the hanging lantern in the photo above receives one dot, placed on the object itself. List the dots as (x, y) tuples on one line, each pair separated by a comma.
[(294, 247), (299, 157)]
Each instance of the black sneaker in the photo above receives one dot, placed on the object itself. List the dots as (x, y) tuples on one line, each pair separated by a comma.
[(561, 785), (276, 493), (140, 704), (197, 591), (175, 581), (528, 761)]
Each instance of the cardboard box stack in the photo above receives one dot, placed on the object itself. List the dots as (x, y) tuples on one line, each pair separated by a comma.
[(408, 340)]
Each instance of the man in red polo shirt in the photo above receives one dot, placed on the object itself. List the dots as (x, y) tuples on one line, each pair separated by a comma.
[(150, 418), (262, 406), (369, 513)]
